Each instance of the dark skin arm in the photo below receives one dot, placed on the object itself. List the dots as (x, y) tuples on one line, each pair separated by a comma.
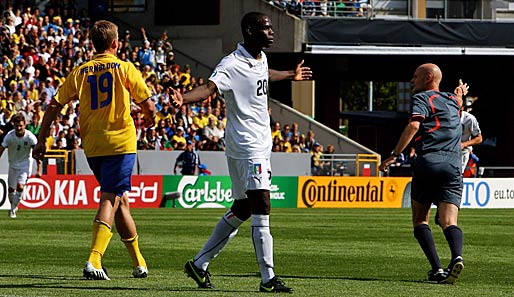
[(201, 93), (299, 73)]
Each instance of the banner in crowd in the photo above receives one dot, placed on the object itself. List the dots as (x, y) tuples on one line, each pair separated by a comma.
[(189, 191), (351, 192), (80, 191)]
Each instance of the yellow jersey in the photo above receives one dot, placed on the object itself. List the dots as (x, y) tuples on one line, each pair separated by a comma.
[(104, 87)]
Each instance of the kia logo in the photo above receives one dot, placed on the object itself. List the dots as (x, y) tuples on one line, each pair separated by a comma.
[(3, 192), (37, 193)]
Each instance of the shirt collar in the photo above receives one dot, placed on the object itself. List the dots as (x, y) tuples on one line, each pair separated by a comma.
[(102, 55), (249, 58)]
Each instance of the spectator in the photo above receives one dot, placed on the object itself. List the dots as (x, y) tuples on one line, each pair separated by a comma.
[(323, 7), (211, 134), (178, 140), (49, 88), (185, 76), (199, 120), (310, 141), (71, 138), (167, 112), (286, 145), (146, 56), (302, 144), (203, 170), (276, 132), (329, 165), (316, 163), (295, 130), (151, 139)]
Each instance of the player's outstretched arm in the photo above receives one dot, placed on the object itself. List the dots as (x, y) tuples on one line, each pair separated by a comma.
[(197, 94), (299, 73), (51, 112)]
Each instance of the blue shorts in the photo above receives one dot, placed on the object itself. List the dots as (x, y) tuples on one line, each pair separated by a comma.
[(113, 172), (437, 178)]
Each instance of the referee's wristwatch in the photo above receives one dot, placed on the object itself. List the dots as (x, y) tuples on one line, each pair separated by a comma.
[(394, 154)]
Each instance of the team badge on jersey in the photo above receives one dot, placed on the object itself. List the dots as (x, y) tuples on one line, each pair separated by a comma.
[(257, 169)]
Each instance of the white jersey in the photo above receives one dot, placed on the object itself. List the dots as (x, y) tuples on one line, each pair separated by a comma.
[(470, 127), (19, 149), (243, 80)]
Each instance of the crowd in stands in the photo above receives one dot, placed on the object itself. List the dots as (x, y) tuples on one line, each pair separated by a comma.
[(40, 46), (289, 139), (324, 8)]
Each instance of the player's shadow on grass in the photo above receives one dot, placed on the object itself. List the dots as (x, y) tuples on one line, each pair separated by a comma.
[(65, 283), (365, 279)]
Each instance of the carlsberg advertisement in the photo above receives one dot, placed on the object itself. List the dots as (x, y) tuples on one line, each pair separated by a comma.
[(191, 191)]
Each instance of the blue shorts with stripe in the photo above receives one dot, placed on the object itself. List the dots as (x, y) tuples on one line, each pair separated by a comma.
[(113, 172)]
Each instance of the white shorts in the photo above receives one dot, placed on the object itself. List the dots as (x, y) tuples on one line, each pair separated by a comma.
[(249, 174), (17, 176), (465, 159)]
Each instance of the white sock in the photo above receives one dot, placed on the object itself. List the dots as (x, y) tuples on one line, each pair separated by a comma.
[(16, 200), (11, 199), (263, 244), (225, 230)]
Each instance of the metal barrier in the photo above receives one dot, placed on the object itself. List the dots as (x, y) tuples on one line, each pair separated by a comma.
[(495, 171), (64, 161), (367, 160), (349, 165)]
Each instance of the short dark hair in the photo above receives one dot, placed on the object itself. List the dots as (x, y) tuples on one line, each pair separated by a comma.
[(18, 118), (250, 19)]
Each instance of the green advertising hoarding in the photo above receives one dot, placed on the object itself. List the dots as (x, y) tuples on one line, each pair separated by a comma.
[(189, 191)]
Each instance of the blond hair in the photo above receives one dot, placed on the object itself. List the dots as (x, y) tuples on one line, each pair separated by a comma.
[(103, 34)]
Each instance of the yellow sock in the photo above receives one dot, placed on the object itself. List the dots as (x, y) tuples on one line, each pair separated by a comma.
[(101, 237), (133, 250)]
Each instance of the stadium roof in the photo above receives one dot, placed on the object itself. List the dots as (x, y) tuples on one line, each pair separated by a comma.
[(409, 37), (407, 50)]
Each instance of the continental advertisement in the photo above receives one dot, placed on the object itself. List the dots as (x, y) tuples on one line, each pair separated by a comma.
[(188, 191), (351, 192)]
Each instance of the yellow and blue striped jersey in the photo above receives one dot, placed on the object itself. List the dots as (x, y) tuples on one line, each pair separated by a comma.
[(104, 87)]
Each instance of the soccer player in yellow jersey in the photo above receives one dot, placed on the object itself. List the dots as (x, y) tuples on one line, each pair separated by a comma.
[(104, 87)]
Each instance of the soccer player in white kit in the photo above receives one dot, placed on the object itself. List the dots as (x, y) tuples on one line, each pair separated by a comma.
[(19, 143), (471, 135), (242, 77)]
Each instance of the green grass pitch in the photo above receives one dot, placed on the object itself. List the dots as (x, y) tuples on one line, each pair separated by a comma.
[(319, 252)]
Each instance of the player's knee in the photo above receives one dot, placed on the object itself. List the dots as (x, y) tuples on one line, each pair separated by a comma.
[(260, 200), (242, 209)]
